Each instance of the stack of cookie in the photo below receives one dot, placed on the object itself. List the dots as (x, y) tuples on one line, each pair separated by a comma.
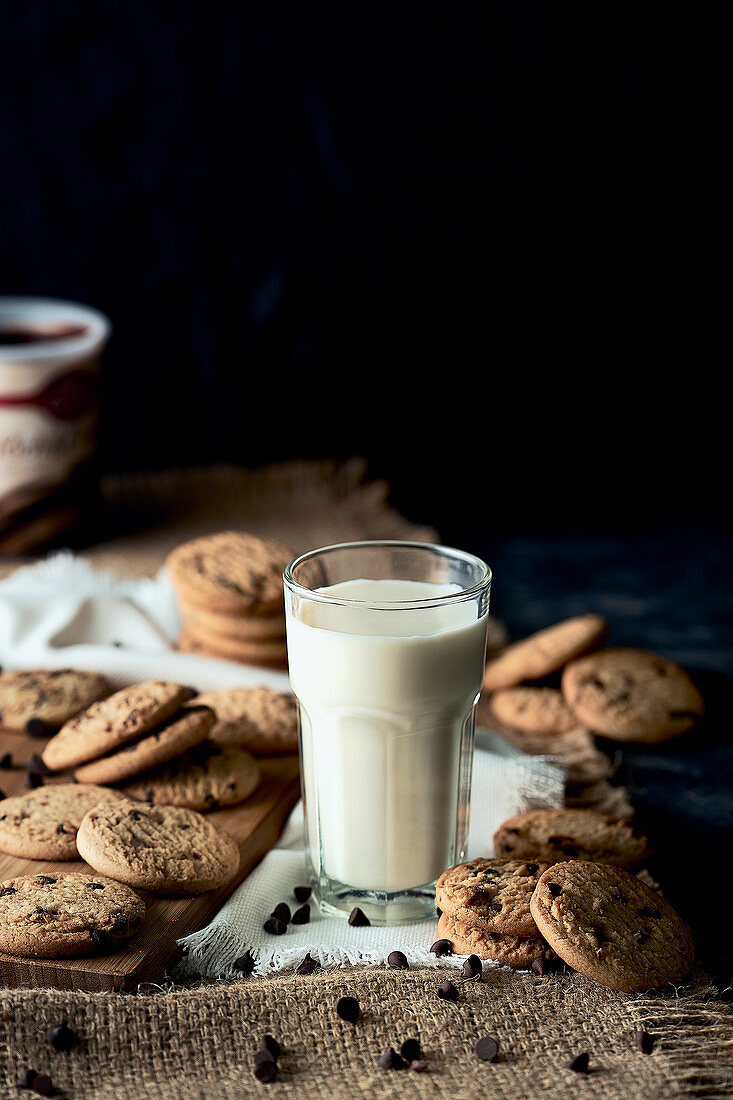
[(563, 888), (229, 589), (566, 676)]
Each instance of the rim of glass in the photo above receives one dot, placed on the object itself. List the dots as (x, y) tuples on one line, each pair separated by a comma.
[(389, 605)]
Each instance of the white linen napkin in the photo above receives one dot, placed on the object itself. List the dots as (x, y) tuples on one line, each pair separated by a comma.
[(61, 612)]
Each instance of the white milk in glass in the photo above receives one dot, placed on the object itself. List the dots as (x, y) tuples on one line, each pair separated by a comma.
[(384, 698)]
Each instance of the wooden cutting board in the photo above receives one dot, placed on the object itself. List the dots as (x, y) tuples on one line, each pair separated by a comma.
[(255, 825)]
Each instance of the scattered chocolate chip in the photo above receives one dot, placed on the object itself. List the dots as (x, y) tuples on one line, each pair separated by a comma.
[(472, 967), (410, 1049), (438, 910), (555, 888), (60, 828), (397, 960), (275, 927), (95, 886), (302, 915), (447, 991), (36, 727), (358, 919), (42, 1084), (245, 962), (308, 965), (579, 1064), (442, 947), (348, 1009), (38, 766), (26, 1079), (419, 1065), (32, 780), (6, 891), (644, 1041), (269, 1042), (99, 937), (6, 761), (641, 935), (265, 1070), (45, 880), (646, 913), (540, 966), (487, 1049), (60, 1036), (263, 1055), (302, 893), (2, 795), (281, 912), (391, 1060)]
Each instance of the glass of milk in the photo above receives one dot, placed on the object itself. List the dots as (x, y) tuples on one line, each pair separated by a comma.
[(386, 645)]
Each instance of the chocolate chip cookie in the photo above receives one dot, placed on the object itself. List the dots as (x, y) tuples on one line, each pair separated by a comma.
[(632, 695), (39, 701), (533, 709), (260, 719), (495, 892), (230, 572), (188, 727), (43, 823), (557, 835), (121, 717), (63, 915), (607, 924), (206, 777), (167, 849), (471, 939), (545, 651)]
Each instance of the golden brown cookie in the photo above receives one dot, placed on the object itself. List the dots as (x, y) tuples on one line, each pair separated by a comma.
[(206, 777), (186, 728), (262, 720), (111, 722), (533, 709), (263, 654), (556, 835), (493, 892), (42, 824), (545, 651), (39, 701), (240, 628), (607, 924), (632, 695), (167, 849), (67, 914), (230, 572), (472, 939)]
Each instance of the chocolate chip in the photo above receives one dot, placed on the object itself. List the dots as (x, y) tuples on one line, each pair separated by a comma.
[(281, 912), (348, 1009), (397, 960), (487, 1049), (265, 1070), (42, 1084), (26, 1079), (419, 1065), (358, 919), (308, 965), (579, 1064), (60, 828), (555, 888), (263, 1055), (540, 966), (60, 1036), (647, 912), (38, 766), (36, 727), (245, 962), (99, 937), (641, 935), (644, 1041), (6, 891), (302, 915), (447, 991), (32, 781), (275, 927), (472, 967), (302, 893), (95, 886), (2, 795), (45, 880), (391, 1060), (269, 1042), (410, 1049), (442, 947), (6, 761)]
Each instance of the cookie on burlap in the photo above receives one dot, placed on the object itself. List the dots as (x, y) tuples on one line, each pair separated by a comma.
[(39, 701), (188, 727), (261, 719), (607, 924), (42, 824), (495, 892), (545, 651), (167, 849), (533, 709), (471, 939), (62, 915), (206, 777), (110, 722), (632, 695), (265, 654), (556, 835), (230, 572)]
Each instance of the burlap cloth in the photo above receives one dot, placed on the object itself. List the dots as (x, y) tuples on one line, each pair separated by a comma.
[(199, 1041)]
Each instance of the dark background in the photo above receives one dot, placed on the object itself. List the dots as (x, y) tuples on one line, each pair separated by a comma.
[(485, 246)]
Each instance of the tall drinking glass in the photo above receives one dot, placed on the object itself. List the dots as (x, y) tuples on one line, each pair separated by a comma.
[(386, 645)]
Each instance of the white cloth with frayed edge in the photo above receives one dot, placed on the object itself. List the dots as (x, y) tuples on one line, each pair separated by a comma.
[(63, 613)]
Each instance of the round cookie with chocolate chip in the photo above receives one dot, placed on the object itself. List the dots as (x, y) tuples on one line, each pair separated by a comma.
[(167, 849), (43, 823), (518, 952), (545, 652), (188, 727), (632, 695), (68, 914), (533, 709), (260, 719), (608, 925), (206, 777), (556, 835), (230, 572), (122, 716), (495, 892), (39, 701)]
